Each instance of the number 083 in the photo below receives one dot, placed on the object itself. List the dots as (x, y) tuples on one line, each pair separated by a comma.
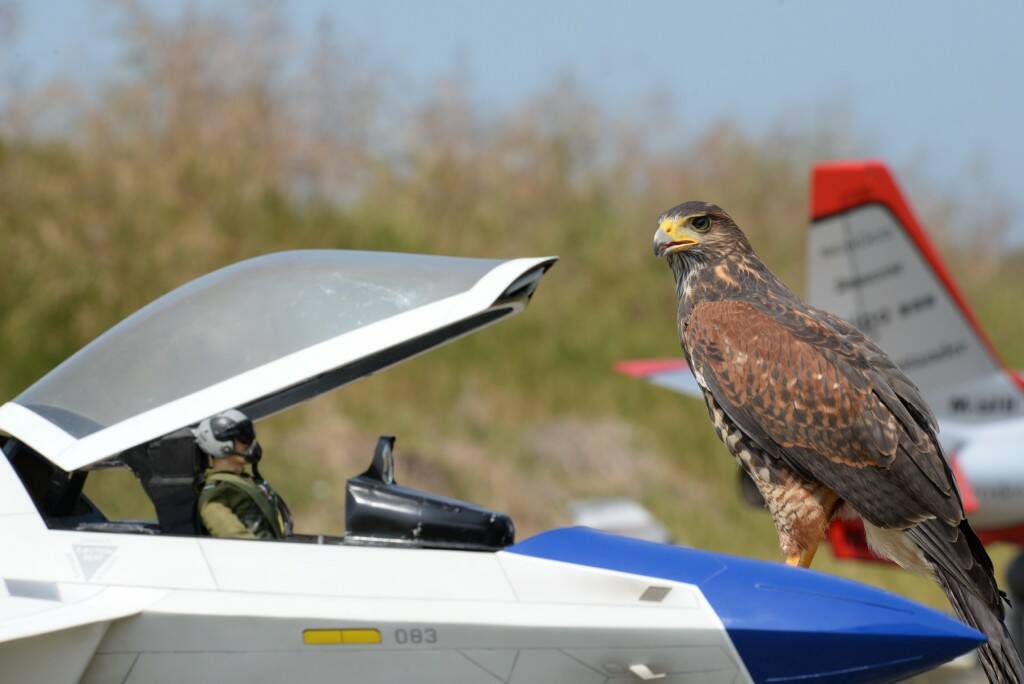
[(416, 636)]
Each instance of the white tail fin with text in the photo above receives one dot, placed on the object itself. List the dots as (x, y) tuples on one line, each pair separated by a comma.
[(871, 263)]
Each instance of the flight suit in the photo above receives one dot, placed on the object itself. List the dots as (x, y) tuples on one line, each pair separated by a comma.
[(237, 506)]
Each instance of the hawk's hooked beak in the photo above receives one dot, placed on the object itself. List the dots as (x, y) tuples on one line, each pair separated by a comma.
[(671, 237)]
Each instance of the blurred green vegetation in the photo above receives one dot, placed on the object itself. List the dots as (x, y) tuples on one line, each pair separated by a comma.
[(221, 138)]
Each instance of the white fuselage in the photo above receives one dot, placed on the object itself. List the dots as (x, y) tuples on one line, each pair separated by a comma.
[(122, 608)]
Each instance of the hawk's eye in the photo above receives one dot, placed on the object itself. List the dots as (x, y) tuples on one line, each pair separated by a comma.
[(701, 224)]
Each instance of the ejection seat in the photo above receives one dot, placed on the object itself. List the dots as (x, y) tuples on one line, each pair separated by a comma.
[(169, 470)]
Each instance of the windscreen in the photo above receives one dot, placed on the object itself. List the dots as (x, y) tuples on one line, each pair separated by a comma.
[(234, 320)]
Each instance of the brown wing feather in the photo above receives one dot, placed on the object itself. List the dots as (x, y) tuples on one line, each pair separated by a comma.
[(810, 395)]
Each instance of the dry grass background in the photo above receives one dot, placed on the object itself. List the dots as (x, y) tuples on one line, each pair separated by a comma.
[(220, 137)]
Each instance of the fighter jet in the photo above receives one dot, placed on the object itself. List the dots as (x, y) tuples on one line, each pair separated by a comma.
[(421, 588)]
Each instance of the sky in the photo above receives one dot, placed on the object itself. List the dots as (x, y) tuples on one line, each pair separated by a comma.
[(934, 84)]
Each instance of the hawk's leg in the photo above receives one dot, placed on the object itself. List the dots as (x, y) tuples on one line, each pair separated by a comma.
[(801, 512)]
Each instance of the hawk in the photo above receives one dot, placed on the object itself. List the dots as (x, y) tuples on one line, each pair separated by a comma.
[(823, 421)]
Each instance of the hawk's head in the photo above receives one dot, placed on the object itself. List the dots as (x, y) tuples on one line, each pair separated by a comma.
[(698, 229)]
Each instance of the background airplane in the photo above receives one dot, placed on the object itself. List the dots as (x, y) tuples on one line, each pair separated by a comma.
[(871, 262)]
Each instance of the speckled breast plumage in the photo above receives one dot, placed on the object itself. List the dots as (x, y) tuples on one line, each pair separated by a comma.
[(800, 509)]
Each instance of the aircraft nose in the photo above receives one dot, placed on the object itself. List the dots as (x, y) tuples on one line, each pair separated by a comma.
[(791, 624), (787, 624)]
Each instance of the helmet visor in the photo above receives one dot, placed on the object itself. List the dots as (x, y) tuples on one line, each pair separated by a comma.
[(242, 431)]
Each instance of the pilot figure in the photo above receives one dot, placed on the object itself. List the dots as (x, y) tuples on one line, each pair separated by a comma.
[(232, 502)]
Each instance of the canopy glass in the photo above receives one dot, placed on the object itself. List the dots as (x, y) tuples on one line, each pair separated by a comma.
[(234, 320)]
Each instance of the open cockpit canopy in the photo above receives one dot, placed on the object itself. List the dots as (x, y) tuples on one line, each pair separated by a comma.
[(262, 334)]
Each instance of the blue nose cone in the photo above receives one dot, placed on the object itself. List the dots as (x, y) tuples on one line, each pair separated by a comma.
[(788, 624)]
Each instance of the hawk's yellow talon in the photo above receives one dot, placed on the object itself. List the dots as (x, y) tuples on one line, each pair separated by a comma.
[(807, 557), (802, 559)]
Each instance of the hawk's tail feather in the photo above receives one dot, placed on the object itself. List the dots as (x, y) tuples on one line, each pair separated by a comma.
[(999, 656), (964, 570)]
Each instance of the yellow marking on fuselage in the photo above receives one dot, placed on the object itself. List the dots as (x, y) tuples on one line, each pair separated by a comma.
[(360, 636), (338, 637)]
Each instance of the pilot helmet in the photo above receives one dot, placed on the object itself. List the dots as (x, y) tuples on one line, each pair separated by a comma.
[(216, 436)]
